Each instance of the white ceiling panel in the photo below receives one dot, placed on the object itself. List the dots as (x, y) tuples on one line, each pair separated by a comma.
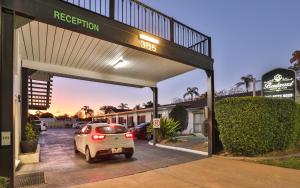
[(45, 44)]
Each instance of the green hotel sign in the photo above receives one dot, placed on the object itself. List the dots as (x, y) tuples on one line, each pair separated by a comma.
[(61, 16)]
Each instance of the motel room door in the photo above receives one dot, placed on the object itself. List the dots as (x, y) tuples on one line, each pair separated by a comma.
[(197, 122)]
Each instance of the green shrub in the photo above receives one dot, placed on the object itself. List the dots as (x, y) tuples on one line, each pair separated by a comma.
[(256, 125), (30, 133), (168, 129), (3, 182), (180, 114)]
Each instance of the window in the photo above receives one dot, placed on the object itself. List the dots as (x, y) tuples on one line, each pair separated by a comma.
[(113, 120), (130, 121), (122, 120), (141, 119), (111, 130)]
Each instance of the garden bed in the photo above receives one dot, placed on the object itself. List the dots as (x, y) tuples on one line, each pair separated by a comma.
[(198, 143)]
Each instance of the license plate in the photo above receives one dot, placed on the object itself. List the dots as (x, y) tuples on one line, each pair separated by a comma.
[(116, 150)]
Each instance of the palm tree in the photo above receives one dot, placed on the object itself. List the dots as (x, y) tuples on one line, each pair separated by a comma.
[(296, 57), (123, 106), (246, 80), (149, 104), (191, 91), (87, 111), (137, 107)]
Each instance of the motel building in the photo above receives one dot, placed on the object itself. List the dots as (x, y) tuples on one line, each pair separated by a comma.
[(122, 42), (130, 118)]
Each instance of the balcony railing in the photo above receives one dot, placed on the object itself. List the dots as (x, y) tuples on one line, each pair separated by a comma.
[(147, 19)]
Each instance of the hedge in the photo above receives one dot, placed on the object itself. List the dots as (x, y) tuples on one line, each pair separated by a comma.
[(256, 125)]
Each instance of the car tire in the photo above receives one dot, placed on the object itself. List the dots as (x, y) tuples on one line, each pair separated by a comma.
[(88, 157), (128, 155), (75, 148)]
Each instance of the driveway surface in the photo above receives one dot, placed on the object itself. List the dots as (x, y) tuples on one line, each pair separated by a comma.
[(63, 168), (212, 172)]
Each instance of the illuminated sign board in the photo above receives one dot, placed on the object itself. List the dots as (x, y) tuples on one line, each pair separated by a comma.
[(148, 43), (279, 83), (61, 16)]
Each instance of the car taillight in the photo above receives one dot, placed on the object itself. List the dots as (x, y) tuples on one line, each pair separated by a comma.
[(98, 137), (128, 135)]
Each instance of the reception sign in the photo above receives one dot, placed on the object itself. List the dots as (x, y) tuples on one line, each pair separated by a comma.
[(279, 83)]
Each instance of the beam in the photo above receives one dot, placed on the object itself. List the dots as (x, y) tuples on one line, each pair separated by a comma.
[(7, 162), (64, 71)]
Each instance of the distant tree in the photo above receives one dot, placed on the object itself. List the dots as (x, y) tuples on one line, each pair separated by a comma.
[(47, 115), (38, 113), (180, 114), (246, 80), (221, 93), (87, 111), (295, 57), (137, 107), (148, 104), (191, 91), (107, 108), (63, 117), (123, 106), (235, 90)]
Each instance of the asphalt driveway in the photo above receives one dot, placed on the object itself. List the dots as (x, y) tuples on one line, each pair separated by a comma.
[(63, 168)]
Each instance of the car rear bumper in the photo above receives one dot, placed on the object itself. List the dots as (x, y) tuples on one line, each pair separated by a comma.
[(108, 152)]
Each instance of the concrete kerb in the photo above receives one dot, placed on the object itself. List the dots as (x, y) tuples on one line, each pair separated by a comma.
[(179, 149)]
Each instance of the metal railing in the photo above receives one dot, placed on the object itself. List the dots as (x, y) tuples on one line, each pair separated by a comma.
[(147, 19)]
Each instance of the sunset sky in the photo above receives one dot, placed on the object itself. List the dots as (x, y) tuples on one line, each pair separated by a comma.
[(248, 37)]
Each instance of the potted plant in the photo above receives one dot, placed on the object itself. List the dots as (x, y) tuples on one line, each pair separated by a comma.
[(4, 182), (30, 142)]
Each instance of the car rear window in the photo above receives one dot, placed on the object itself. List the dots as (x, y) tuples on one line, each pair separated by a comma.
[(111, 129)]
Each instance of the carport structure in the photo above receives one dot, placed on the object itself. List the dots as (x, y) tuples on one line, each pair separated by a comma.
[(121, 42)]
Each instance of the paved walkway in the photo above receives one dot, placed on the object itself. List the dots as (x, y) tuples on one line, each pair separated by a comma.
[(213, 172)]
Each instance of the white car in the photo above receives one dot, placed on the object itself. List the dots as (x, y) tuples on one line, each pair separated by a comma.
[(42, 126), (102, 139), (78, 125)]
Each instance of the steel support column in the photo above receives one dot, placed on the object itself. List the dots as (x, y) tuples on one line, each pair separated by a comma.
[(155, 111), (6, 94), (211, 115), (25, 74)]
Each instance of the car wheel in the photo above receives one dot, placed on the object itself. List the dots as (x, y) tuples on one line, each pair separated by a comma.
[(75, 148), (88, 157), (128, 155)]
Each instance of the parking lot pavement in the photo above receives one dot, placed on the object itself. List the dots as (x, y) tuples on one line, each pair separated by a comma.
[(64, 168)]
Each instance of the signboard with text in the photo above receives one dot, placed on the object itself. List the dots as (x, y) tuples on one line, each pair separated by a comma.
[(279, 83)]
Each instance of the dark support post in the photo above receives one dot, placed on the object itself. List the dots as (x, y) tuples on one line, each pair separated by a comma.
[(172, 30), (25, 74), (112, 9), (211, 114), (7, 162), (155, 112)]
